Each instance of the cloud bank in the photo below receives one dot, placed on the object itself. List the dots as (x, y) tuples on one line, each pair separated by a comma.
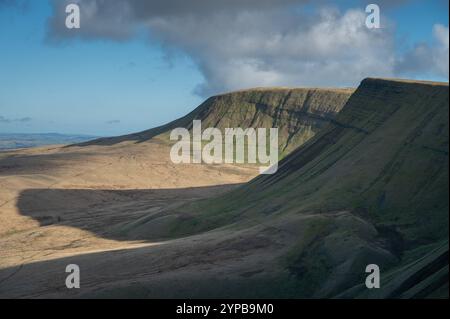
[(428, 59), (5, 120), (248, 43)]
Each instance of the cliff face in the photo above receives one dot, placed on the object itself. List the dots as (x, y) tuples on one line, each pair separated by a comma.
[(298, 114), (371, 187)]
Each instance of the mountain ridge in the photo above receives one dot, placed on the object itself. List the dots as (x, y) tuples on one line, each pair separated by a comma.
[(299, 113), (372, 187)]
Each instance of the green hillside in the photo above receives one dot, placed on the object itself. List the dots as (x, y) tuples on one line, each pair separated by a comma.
[(298, 114), (371, 187)]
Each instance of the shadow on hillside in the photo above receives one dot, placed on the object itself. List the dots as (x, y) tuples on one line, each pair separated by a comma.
[(46, 279), (105, 212), (21, 164), (175, 269)]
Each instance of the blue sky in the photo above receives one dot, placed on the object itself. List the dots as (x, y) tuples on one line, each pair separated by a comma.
[(103, 84)]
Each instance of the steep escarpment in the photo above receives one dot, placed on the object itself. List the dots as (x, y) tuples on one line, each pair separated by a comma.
[(371, 187), (385, 155), (298, 114)]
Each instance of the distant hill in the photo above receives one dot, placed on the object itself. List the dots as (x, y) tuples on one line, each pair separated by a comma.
[(16, 141)]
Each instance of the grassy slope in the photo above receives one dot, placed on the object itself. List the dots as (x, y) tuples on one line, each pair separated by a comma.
[(372, 187), (298, 113)]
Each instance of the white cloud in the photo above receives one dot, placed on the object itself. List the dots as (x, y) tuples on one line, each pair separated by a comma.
[(440, 51), (430, 59), (280, 48), (247, 43)]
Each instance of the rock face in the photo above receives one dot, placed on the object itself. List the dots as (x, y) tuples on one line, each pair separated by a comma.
[(370, 188), (298, 114)]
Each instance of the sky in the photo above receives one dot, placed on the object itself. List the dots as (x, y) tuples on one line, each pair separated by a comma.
[(136, 64)]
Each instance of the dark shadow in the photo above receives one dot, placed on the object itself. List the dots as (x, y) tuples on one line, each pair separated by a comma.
[(112, 214), (198, 268), (17, 163), (176, 269)]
